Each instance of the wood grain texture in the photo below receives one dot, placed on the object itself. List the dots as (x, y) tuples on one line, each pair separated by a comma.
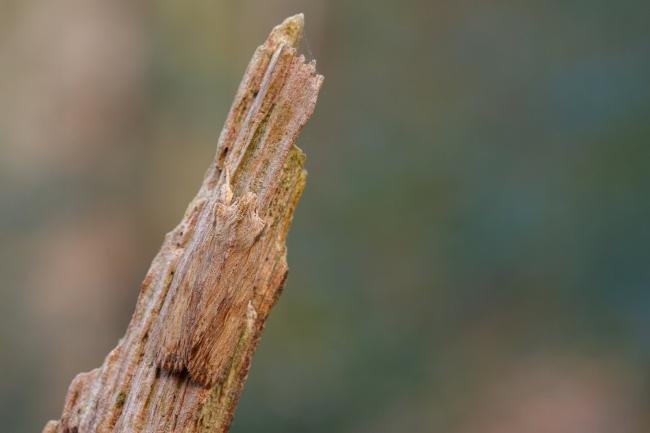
[(185, 356)]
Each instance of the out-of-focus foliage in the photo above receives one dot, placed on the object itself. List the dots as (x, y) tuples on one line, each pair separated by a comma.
[(471, 252)]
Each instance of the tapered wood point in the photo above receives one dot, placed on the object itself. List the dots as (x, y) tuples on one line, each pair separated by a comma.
[(289, 32)]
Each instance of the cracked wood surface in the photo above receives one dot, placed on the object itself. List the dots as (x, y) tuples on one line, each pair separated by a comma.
[(202, 306)]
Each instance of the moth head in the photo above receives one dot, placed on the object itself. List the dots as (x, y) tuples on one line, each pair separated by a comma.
[(236, 222)]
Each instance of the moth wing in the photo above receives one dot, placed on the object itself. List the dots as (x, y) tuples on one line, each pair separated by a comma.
[(169, 341)]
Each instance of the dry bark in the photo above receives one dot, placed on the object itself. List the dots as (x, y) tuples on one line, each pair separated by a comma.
[(202, 306)]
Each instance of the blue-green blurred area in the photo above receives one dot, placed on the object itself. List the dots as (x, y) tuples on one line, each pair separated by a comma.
[(471, 252)]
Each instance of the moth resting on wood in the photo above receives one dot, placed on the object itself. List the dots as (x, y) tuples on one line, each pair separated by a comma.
[(204, 318), (224, 247)]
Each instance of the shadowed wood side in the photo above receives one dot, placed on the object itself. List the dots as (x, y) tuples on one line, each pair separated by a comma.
[(202, 306)]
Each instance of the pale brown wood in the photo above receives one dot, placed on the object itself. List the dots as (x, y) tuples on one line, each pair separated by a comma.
[(185, 356)]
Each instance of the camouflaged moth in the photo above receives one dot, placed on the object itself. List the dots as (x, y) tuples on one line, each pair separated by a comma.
[(231, 261)]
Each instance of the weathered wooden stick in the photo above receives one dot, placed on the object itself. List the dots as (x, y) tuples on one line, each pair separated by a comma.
[(202, 306)]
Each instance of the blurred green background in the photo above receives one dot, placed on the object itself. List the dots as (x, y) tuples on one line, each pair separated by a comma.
[(471, 252)]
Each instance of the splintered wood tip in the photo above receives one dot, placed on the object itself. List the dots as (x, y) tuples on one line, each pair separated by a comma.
[(289, 32)]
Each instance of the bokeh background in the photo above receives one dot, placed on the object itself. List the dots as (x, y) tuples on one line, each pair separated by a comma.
[(471, 254)]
